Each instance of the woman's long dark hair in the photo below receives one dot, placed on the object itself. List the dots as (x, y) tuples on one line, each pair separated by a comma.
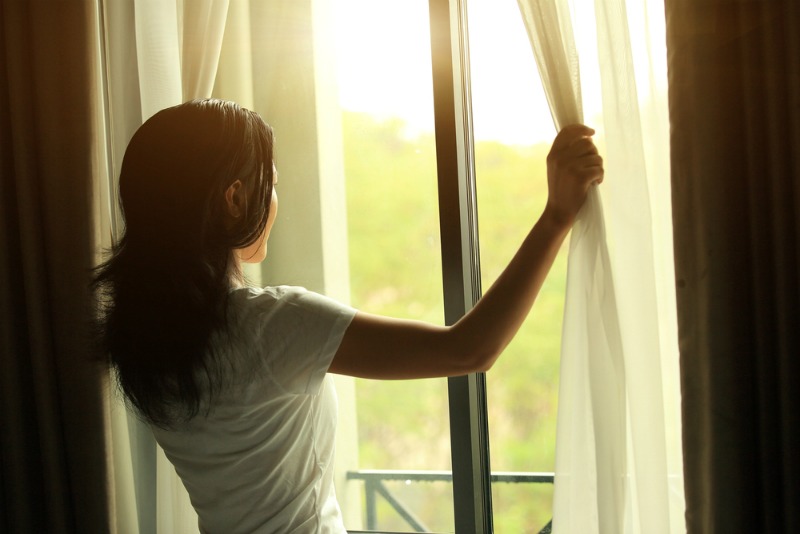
[(163, 292)]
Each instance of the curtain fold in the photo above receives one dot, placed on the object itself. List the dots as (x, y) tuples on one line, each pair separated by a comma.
[(550, 32), (735, 115), (618, 460), (158, 55), (203, 28), (53, 477)]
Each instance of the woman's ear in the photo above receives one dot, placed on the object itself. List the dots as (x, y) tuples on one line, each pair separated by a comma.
[(234, 200)]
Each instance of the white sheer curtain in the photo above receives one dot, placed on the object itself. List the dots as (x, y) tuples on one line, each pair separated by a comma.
[(159, 53), (618, 451)]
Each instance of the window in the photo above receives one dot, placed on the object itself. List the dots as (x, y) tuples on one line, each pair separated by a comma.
[(384, 186), (403, 212)]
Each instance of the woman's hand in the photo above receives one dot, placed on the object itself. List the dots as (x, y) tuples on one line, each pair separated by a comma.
[(573, 166)]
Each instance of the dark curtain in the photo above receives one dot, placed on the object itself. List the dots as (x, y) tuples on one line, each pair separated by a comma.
[(53, 472), (734, 75)]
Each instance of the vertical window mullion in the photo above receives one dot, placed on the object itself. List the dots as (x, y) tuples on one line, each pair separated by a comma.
[(460, 258)]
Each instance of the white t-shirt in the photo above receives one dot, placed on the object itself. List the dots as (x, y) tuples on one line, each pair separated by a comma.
[(262, 459)]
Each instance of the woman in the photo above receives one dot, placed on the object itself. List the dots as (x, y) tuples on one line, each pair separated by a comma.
[(233, 379)]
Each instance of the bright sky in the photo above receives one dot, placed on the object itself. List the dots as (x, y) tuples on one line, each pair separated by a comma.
[(383, 55)]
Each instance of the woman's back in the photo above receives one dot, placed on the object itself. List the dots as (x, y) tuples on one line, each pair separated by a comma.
[(260, 459)]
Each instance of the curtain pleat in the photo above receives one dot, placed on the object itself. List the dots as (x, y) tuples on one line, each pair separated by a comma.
[(158, 55), (550, 32), (203, 28), (735, 114), (53, 473), (618, 462), (235, 71), (591, 419)]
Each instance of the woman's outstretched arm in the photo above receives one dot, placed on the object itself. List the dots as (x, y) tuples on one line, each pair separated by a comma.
[(386, 348)]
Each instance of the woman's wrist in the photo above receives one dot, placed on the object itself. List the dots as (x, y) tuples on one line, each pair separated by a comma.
[(557, 219)]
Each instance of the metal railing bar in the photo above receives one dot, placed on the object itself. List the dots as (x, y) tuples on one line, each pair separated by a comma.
[(522, 477), (371, 504), (394, 474)]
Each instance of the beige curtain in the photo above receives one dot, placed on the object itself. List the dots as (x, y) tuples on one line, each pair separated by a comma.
[(53, 473), (735, 117), (159, 54), (618, 457)]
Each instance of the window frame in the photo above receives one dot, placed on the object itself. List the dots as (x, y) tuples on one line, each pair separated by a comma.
[(461, 279)]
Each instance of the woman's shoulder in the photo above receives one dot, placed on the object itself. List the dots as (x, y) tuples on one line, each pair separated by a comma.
[(287, 330), (284, 307), (252, 298), (257, 322)]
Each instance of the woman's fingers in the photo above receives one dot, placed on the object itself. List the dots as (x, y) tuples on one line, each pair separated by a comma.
[(586, 159), (593, 162), (569, 135), (581, 146), (573, 166), (587, 169)]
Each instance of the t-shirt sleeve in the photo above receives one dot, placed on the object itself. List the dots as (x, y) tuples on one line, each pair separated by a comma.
[(297, 333)]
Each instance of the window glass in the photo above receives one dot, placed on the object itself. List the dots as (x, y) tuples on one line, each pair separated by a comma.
[(384, 85)]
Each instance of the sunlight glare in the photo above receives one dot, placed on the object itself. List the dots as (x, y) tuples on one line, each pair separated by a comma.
[(383, 56)]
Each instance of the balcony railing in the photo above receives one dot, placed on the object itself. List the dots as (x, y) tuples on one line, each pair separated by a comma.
[(374, 487)]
